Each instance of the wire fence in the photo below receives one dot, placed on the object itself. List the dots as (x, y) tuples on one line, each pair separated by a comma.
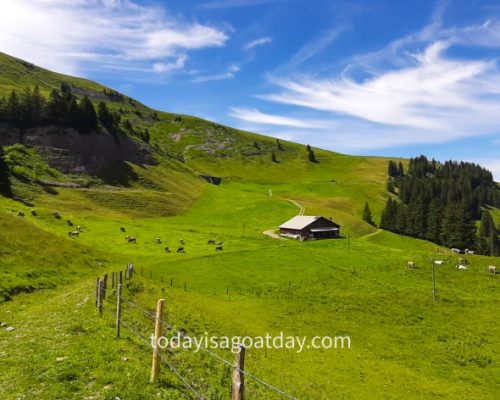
[(295, 290), (103, 296)]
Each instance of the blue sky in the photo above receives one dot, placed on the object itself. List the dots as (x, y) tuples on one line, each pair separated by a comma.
[(395, 78)]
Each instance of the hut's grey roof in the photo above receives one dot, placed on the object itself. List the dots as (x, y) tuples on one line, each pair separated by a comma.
[(299, 222)]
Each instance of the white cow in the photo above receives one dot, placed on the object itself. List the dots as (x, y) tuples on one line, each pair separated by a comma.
[(460, 266), (492, 269)]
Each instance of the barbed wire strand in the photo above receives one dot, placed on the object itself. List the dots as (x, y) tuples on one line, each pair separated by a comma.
[(223, 360), (178, 374), (172, 368), (250, 375), (145, 312)]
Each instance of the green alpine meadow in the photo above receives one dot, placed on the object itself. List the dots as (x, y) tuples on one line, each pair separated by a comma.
[(106, 203)]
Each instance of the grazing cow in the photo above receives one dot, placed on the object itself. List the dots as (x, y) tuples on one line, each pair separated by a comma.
[(73, 234), (470, 252), (492, 269), (439, 262), (57, 215), (219, 243), (122, 229), (181, 241), (68, 221), (158, 240), (180, 249), (130, 239), (461, 266), (79, 228), (462, 261), (219, 248), (33, 213), (211, 241), (167, 249), (20, 214), (411, 265), (455, 250)]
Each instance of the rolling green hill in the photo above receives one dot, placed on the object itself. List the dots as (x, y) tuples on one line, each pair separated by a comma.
[(404, 345)]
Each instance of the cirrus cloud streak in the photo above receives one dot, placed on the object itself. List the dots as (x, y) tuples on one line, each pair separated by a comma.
[(69, 36)]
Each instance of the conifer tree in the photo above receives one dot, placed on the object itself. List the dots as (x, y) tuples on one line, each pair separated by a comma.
[(367, 215), (494, 243), (13, 108), (401, 171), (486, 224), (390, 186), (104, 116), (5, 189), (388, 218), (87, 117), (392, 169), (312, 156)]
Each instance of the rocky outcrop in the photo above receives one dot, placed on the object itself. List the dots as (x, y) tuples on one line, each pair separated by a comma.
[(71, 152)]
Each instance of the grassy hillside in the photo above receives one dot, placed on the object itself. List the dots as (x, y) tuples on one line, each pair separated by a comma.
[(404, 345), (361, 288)]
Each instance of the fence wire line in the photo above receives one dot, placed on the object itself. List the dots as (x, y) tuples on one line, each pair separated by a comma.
[(145, 312), (172, 368), (223, 360), (178, 374), (250, 375)]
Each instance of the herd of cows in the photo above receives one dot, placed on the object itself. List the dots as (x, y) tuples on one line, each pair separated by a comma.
[(130, 239), (180, 248), (462, 262)]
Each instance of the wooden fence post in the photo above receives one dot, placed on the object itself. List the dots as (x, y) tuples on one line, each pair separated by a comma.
[(99, 301), (104, 286), (113, 280), (97, 293), (118, 309), (155, 366), (238, 379), (121, 277)]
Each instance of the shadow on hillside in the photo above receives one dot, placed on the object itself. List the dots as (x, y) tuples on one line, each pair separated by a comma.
[(118, 173)]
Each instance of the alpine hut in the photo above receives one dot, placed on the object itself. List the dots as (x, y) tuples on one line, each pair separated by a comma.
[(305, 227)]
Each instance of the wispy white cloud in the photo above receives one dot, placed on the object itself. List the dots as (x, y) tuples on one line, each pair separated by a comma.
[(433, 93), (162, 67), (315, 46), (257, 42), (401, 95), (68, 36), (256, 117), (230, 73)]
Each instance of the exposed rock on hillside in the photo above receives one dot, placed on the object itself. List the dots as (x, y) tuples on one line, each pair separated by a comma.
[(72, 152)]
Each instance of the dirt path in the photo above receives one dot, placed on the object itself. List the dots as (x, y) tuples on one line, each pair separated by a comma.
[(273, 234), (298, 205)]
